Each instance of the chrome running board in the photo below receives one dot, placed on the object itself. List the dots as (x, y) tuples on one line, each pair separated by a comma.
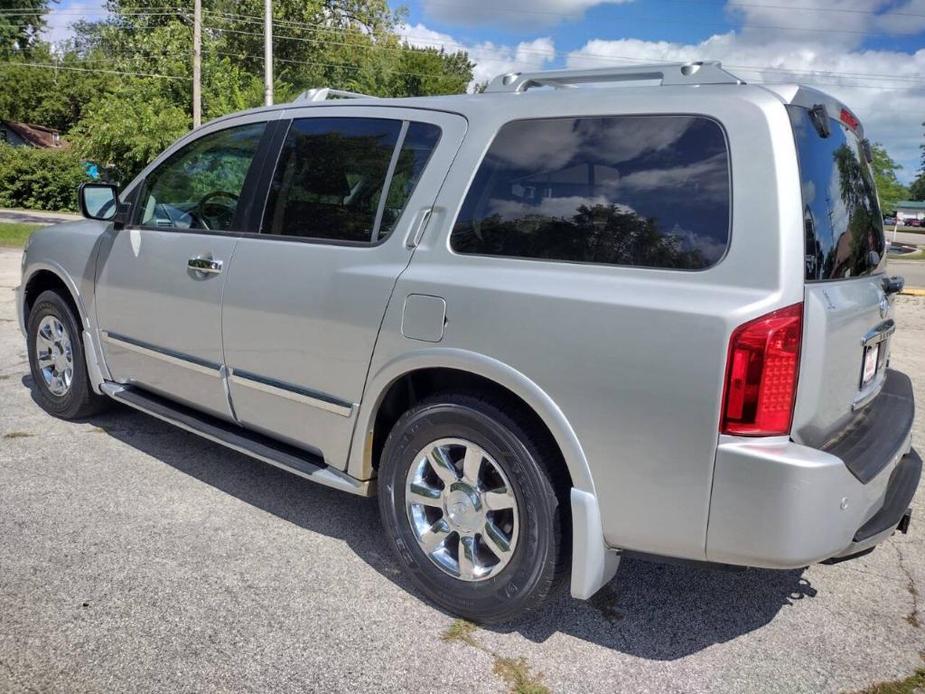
[(289, 458)]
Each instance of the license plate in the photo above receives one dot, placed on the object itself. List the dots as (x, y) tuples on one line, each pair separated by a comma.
[(871, 359)]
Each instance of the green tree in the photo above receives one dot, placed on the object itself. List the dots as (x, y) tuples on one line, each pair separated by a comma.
[(128, 128), (917, 189), (20, 29), (42, 179), (889, 188)]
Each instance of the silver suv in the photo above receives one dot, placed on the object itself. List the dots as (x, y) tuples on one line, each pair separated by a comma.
[(548, 326)]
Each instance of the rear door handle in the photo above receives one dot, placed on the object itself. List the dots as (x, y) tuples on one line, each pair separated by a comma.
[(206, 265)]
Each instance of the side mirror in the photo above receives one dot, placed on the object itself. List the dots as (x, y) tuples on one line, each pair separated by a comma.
[(100, 201)]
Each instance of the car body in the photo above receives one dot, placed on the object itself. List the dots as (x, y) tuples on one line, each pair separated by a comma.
[(308, 351)]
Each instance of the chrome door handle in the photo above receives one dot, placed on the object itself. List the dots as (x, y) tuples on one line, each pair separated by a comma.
[(207, 265)]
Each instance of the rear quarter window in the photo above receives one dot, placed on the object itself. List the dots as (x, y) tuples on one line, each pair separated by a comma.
[(644, 191)]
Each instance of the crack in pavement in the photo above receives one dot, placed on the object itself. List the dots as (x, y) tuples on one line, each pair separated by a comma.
[(912, 617)]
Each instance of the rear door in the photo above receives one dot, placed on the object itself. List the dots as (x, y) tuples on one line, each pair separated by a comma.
[(848, 320), (305, 297)]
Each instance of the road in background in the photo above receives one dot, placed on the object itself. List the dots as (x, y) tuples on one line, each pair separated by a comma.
[(36, 216)]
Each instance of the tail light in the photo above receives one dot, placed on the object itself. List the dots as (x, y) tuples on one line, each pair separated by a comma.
[(761, 374)]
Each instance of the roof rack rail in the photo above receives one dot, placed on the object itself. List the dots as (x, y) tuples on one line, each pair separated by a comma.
[(325, 93), (709, 72)]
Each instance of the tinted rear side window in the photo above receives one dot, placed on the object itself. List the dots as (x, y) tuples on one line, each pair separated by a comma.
[(841, 215), (329, 178), (331, 172), (647, 191)]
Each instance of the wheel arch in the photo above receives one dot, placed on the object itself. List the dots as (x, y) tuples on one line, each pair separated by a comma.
[(43, 277), (46, 276), (461, 367)]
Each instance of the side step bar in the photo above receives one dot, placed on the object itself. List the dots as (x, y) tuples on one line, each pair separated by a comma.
[(299, 462)]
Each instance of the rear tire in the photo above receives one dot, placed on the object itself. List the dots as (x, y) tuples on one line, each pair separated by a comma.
[(57, 360), (450, 530)]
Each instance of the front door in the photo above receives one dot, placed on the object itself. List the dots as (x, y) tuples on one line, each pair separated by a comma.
[(305, 298), (159, 281)]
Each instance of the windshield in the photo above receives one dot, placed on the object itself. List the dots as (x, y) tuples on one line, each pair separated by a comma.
[(841, 214)]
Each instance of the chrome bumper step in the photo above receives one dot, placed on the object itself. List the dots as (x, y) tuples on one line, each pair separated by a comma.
[(249, 443)]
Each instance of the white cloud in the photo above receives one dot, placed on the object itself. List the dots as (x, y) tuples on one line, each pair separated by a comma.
[(890, 106), (61, 16), (490, 58), (530, 13)]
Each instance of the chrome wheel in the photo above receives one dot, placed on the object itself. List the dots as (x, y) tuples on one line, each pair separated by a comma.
[(54, 355), (462, 509)]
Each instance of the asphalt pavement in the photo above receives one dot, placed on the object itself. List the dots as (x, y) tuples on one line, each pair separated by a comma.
[(137, 557), (36, 216)]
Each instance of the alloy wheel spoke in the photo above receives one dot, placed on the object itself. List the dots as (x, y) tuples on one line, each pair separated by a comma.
[(442, 465), (499, 499), (494, 538), (472, 465), (424, 495), (434, 537), (467, 560), (46, 358)]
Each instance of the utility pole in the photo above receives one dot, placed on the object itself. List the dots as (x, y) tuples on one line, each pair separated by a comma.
[(197, 63), (268, 52)]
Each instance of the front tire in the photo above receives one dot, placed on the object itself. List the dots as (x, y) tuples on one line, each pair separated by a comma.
[(57, 360), (474, 509)]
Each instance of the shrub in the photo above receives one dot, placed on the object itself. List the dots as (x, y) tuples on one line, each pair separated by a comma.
[(40, 179)]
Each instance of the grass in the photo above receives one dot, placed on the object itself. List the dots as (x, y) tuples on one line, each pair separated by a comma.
[(461, 631), (913, 683), (515, 672), (14, 234)]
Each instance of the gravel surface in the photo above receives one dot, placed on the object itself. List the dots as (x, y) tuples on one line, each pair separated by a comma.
[(137, 557)]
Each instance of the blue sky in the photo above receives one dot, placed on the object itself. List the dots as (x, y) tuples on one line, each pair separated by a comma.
[(869, 53)]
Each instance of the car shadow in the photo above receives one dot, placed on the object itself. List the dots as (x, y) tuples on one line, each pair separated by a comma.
[(654, 611)]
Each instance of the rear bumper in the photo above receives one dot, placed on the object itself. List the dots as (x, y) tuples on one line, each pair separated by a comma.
[(779, 504)]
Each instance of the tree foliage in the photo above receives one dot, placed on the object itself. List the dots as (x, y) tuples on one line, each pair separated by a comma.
[(40, 179), (121, 90), (889, 188), (20, 29)]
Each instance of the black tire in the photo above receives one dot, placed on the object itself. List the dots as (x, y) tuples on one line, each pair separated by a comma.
[(540, 559), (79, 402)]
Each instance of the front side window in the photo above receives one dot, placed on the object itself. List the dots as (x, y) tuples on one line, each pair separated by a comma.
[(199, 186), (331, 175), (646, 191)]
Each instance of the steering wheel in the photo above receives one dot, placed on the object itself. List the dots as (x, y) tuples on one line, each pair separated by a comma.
[(213, 213)]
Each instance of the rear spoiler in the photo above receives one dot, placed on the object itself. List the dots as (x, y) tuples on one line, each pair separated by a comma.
[(807, 97)]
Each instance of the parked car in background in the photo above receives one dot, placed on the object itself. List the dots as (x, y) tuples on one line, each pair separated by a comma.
[(889, 221), (541, 325), (912, 222)]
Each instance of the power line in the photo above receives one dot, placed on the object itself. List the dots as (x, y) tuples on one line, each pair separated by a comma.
[(89, 69), (912, 80), (565, 15)]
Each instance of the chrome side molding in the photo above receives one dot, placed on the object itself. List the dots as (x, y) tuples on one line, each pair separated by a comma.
[(187, 361), (303, 396)]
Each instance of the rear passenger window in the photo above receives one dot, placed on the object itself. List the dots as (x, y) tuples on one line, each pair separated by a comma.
[(646, 191), (331, 175)]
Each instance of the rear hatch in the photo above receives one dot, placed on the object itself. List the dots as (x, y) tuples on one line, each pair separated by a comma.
[(847, 315)]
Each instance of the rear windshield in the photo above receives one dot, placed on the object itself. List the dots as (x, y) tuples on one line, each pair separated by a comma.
[(841, 214)]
